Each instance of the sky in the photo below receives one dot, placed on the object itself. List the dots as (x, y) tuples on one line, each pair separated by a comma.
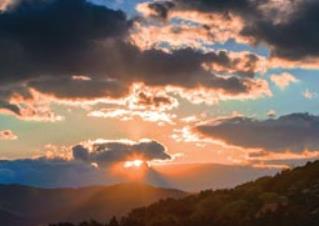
[(86, 84)]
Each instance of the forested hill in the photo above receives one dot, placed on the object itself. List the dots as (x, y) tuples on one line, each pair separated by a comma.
[(30, 206), (290, 198)]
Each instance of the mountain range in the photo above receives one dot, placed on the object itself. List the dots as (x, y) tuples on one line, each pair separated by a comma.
[(290, 198), (30, 206)]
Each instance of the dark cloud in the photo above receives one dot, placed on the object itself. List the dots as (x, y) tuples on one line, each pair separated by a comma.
[(52, 38), (45, 43), (293, 39), (7, 135), (218, 6), (295, 132), (68, 87), (107, 153), (10, 107), (161, 8), (144, 99), (289, 27), (55, 36), (184, 68)]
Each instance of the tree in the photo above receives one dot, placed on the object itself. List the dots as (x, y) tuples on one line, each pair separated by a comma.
[(113, 222)]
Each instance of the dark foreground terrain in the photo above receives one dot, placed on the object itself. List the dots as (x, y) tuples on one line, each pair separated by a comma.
[(290, 198), (28, 206)]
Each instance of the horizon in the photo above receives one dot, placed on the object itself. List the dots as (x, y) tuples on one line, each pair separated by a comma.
[(159, 112), (101, 92)]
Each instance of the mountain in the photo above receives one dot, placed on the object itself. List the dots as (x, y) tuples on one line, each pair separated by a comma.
[(29, 206), (201, 176), (8, 218), (58, 173), (291, 198)]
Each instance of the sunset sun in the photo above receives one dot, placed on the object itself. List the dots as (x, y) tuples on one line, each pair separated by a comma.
[(136, 163)]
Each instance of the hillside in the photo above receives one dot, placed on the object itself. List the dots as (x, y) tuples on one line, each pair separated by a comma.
[(290, 198), (28, 206)]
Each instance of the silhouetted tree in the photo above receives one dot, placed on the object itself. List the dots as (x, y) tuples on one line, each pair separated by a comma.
[(113, 222)]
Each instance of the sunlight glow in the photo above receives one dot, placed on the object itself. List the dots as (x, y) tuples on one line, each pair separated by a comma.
[(135, 163), (133, 169)]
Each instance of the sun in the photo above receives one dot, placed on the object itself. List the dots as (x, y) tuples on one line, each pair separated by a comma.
[(137, 163), (134, 168)]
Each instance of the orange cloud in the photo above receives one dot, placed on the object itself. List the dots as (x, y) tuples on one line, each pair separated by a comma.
[(208, 28), (283, 80), (33, 107), (7, 135), (256, 88), (126, 114), (4, 4)]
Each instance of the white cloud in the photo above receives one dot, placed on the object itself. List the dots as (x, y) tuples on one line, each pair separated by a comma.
[(308, 94)]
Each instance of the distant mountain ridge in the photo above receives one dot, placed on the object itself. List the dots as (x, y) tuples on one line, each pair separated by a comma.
[(291, 198), (195, 177), (191, 177), (29, 206)]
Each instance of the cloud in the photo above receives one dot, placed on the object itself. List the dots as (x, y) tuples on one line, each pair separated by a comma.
[(49, 40), (4, 4), (147, 98), (271, 113), (105, 153), (126, 114), (298, 28), (183, 26), (26, 105), (69, 88), (283, 80), (44, 48), (85, 164), (149, 104), (7, 135), (309, 94), (288, 27), (156, 101), (295, 132)]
